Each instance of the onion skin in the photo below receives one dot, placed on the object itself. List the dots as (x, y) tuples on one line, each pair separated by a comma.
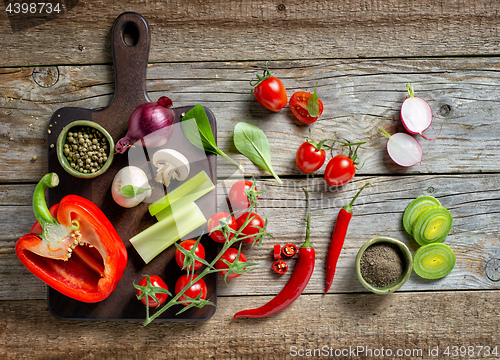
[(149, 122)]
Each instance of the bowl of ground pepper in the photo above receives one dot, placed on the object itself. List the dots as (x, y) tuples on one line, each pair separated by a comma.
[(85, 149), (383, 264)]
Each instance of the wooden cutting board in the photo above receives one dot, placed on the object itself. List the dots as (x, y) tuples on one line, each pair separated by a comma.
[(130, 62)]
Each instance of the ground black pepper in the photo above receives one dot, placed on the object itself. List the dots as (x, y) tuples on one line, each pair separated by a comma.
[(382, 264)]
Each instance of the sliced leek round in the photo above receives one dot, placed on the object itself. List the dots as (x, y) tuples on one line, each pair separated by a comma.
[(433, 261), (432, 226), (415, 208)]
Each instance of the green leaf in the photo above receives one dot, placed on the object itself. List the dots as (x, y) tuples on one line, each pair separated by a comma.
[(253, 143), (313, 104), (199, 132), (131, 191)]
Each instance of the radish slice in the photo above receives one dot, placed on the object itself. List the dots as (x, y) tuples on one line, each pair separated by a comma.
[(403, 149), (434, 261), (416, 114)]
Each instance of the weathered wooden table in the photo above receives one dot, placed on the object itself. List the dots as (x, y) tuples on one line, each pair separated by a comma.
[(361, 53)]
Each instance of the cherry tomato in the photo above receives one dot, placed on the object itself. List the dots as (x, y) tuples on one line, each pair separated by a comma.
[(339, 170), (271, 94), (229, 255), (188, 245), (309, 158), (155, 281), (298, 105), (198, 287), (213, 222), (252, 228), (237, 196)]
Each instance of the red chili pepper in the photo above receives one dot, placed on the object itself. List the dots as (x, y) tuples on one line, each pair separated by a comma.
[(289, 250), (337, 241), (295, 285), (280, 267), (72, 247), (277, 252)]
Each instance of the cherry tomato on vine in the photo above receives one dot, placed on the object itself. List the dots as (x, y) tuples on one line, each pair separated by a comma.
[(155, 281), (188, 245), (198, 287), (230, 256), (253, 227), (339, 170), (270, 91), (213, 222), (309, 158), (306, 107), (237, 196)]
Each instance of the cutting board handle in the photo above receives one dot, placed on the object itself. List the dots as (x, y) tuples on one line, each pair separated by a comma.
[(130, 40)]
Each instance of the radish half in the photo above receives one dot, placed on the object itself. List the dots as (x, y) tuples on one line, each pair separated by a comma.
[(416, 114), (403, 149)]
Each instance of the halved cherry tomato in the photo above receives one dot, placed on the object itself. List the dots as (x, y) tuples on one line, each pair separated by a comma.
[(309, 158), (270, 91), (253, 227), (198, 287), (298, 105), (155, 281), (188, 245), (238, 197), (339, 170), (230, 256), (213, 222)]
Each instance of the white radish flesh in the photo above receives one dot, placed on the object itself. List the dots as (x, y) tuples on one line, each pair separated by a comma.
[(416, 115), (403, 149)]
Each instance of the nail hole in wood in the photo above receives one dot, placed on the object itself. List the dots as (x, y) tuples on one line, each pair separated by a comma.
[(130, 34), (445, 110), (281, 7)]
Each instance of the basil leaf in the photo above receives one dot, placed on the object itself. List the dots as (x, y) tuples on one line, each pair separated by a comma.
[(253, 143), (199, 132), (313, 104), (131, 191)]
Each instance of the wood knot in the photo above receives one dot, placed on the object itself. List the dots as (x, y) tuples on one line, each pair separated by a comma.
[(445, 110), (45, 76), (281, 7), (493, 269)]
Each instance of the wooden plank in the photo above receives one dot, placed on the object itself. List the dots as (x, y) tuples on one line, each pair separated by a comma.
[(417, 323), (359, 97), (473, 201), (248, 29)]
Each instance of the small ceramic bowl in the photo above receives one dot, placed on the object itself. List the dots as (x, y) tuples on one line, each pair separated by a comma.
[(402, 279), (61, 139)]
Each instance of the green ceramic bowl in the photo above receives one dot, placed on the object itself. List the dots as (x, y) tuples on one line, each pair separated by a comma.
[(61, 139), (402, 279)]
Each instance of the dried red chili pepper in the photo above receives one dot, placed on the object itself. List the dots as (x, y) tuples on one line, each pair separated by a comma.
[(338, 237), (72, 247), (289, 250), (280, 267), (295, 285), (277, 252)]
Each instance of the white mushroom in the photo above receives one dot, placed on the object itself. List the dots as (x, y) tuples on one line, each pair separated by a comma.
[(137, 179), (171, 164)]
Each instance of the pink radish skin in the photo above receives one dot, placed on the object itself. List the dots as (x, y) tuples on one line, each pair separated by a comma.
[(403, 149), (416, 114)]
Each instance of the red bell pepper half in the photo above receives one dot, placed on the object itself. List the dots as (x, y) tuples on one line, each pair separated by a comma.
[(72, 247)]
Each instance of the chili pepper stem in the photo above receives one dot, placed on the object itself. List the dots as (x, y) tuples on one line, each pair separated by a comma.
[(348, 208), (307, 242)]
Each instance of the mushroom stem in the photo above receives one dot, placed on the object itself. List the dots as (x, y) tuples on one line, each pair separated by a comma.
[(165, 174)]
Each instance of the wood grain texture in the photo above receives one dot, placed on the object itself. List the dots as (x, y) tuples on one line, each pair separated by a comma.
[(247, 30), (360, 96), (378, 211), (397, 321)]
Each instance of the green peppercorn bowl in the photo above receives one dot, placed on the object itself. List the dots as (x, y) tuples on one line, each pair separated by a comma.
[(407, 269), (96, 168)]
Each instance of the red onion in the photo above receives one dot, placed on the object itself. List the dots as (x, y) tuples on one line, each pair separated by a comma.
[(150, 122)]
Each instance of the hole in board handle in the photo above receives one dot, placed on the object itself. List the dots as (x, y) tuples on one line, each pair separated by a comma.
[(130, 34)]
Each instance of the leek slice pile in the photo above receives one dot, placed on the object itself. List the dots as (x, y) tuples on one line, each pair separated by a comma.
[(430, 223), (433, 261)]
